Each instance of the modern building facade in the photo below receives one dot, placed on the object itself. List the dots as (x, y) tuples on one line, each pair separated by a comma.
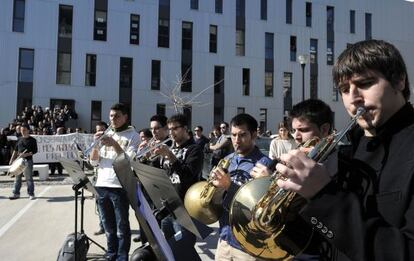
[(214, 58)]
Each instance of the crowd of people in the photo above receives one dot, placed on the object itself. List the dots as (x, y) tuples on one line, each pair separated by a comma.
[(358, 201)]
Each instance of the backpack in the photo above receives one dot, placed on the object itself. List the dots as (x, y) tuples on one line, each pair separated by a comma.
[(66, 253)]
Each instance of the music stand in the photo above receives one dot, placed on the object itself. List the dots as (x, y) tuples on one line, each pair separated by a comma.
[(80, 181), (163, 194), (143, 212)]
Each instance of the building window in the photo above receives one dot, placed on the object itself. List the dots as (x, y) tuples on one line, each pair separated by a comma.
[(194, 4), (96, 113), (330, 35), (368, 26), (100, 26), (330, 53), (287, 92), (263, 119), (246, 81), (289, 11), (293, 48), (313, 51), (219, 6), (125, 73), (134, 29), (65, 21), (18, 15), (155, 75), (240, 42), (164, 23), (240, 110), (160, 109), (269, 46), (187, 36), (213, 39), (308, 14), (63, 68), (187, 111), (352, 21), (186, 76), (90, 75), (218, 79), (263, 9), (269, 84), (26, 65)]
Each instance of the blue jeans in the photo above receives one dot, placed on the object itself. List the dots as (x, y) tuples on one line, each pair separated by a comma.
[(28, 174), (113, 207)]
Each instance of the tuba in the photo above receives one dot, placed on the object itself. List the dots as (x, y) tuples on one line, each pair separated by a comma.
[(264, 218), (203, 200)]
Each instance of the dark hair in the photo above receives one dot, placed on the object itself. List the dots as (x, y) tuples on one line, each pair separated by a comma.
[(245, 119), (225, 123), (25, 125), (199, 127), (120, 107), (375, 55), (180, 119), (102, 123), (147, 132), (313, 110), (161, 119)]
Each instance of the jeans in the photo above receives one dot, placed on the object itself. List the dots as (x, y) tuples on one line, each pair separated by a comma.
[(180, 240), (113, 207), (28, 174)]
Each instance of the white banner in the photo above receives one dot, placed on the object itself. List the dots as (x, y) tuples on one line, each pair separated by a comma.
[(51, 147)]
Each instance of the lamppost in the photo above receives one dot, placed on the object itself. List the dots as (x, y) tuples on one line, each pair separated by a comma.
[(303, 60)]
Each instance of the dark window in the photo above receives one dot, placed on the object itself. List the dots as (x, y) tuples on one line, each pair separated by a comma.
[(63, 68), (368, 26), (241, 110), (96, 113), (65, 21), (263, 119), (269, 46), (246, 81), (90, 75), (164, 33), (308, 14), (289, 11), (160, 109), (330, 53), (100, 20), (18, 15), (218, 79), (187, 36), (187, 111), (26, 65), (352, 21), (263, 9), (125, 73), (287, 92), (330, 35), (240, 42), (194, 4), (268, 84), (213, 39), (313, 51), (155, 75), (293, 48), (219, 6), (134, 29), (186, 76)]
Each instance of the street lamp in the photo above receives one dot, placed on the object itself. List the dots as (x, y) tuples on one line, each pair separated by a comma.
[(303, 60)]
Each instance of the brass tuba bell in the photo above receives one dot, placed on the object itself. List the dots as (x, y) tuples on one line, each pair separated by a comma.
[(203, 200), (264, 218)]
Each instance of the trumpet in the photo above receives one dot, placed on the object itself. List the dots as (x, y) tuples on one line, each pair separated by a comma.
[(261, 212), (141, 155), (86, 153)]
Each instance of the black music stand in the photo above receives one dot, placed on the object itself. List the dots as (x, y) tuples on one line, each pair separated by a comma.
[(159, 246), (81, 182)]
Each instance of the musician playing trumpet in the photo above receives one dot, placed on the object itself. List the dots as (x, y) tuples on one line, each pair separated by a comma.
[(112, 200)]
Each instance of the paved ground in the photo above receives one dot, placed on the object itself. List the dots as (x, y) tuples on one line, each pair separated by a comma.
[(34, 230)]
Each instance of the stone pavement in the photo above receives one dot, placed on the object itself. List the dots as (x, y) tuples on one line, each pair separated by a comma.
[(34, 230)]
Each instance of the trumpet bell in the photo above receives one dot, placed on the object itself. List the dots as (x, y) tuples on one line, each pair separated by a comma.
[(196, 205), (289, 236)]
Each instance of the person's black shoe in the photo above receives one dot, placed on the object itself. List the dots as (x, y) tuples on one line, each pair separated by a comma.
[(137, 238), (99, 232), (14, 196)]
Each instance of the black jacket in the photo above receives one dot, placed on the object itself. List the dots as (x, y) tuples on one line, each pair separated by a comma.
[(367, 211)]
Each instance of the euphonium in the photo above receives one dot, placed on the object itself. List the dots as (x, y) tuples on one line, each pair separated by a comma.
[(264, 218), (203, 200)]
